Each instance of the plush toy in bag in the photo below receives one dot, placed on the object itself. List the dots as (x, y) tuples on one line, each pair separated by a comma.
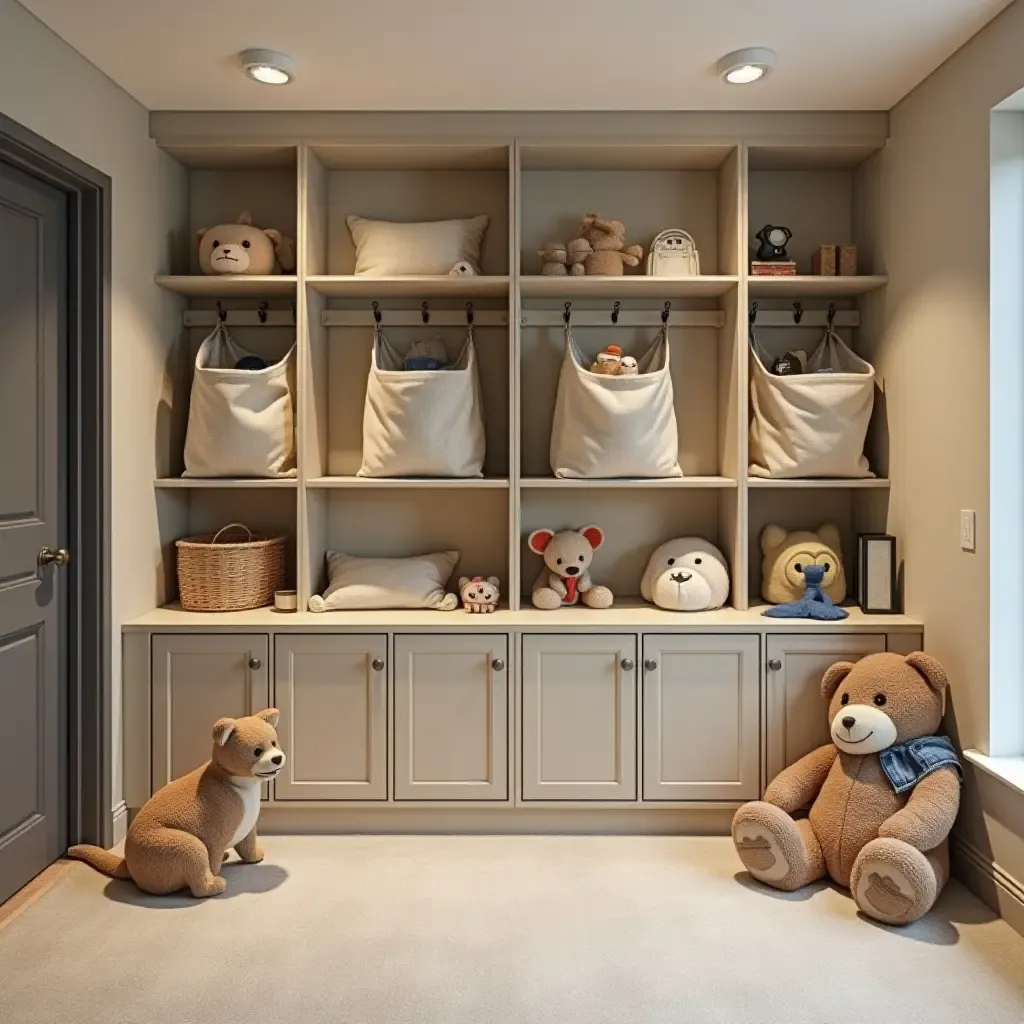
[(610, 253), (565, 579), (885, 794), (787, 554), (688, 574), (243, 248)]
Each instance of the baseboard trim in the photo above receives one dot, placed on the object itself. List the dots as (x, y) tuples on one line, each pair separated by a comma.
[(119, 822), (998, 888)]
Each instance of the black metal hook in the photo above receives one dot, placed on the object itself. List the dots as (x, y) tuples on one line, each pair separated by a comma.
[(798, 312), (615, 311), (831, 313), (567, 315), (222, 313), (376, 312), (665, 312), (261, 312), (425, 311), (752, 316), (469, 313)]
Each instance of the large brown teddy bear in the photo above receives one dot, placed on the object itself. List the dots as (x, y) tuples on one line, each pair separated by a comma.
[(886, 792), (607, 239)]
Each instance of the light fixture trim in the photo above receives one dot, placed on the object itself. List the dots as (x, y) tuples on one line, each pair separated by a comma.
[(746, 66), (268, 67)]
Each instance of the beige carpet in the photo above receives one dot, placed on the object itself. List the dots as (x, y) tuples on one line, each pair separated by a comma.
[(496, 930)]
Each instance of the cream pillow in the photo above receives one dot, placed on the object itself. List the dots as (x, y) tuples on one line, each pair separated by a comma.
[(364, 584), (388, 249)]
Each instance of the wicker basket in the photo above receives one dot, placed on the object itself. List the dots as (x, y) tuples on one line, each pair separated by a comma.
[(229, 575)]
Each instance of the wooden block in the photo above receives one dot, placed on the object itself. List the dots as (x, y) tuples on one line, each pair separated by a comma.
[(846, 256), (775, 268), (823, 262)]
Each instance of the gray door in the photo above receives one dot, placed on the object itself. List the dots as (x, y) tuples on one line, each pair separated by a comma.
[(33, 747)]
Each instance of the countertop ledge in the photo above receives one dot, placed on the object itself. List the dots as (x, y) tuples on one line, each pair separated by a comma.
[(1009, 770)]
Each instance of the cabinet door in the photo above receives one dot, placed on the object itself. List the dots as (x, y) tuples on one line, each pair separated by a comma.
[(332, 694), (198, 678), (701, 717), (797, 713), (451, 717), (579, 717)]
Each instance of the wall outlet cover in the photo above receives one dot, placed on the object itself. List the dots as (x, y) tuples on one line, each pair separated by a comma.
[(968, 519)]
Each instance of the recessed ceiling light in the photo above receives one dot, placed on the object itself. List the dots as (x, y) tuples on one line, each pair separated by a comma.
[(268, 66), (741, 67)]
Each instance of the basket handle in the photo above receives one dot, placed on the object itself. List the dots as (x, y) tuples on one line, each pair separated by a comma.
[(241, 526)]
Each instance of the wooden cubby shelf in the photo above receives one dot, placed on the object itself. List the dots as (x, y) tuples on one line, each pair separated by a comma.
[(408, 483), (180, 483), (223, 286), (629, 286), (865, 484), (352, 286), (809, 286), (667, 484)]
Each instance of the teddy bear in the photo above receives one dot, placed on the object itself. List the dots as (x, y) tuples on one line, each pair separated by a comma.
[(564, 580), (786, 554), (607, 239), (560, 259), (608, 362), (688, 574), (885, 794), (242, 248), (184, 831), (479, 594)]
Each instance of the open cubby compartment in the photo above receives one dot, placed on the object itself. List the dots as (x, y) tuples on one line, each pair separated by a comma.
[(650, 188), (339, 361), (396, 182), (704, 370), (402, 522), (635, 522), (802, 506), (825, 195), (224, 181), (186, 512)]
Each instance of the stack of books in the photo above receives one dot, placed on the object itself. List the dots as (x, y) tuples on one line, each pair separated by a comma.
[(777, 268)]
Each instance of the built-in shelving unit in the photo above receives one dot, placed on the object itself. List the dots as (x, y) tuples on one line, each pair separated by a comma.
[(533, 192)]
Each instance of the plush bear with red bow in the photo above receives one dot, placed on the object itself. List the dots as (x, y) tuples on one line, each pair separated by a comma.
[(565, 579)]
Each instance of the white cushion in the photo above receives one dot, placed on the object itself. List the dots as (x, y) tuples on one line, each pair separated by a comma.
[(388, 249), (375, 583)]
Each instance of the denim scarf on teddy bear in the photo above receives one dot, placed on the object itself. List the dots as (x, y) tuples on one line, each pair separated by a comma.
[(906, 764)]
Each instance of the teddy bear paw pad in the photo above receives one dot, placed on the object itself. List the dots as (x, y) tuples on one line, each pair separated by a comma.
[(886, 894), (761, 855)]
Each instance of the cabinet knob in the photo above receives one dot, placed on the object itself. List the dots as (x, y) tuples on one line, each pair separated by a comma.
[(775, 664), (255, 663), (498, 665), (627, 664), (650, 664), (377, 665)]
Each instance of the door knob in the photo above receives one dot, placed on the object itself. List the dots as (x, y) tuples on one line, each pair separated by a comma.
[(498, 665), (627, 664), (377, 664), (53, 556), (650, 664), (255, 663), (775, 664)]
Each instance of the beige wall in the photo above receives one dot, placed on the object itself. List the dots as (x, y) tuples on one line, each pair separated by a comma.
[(932, 236), (51, 89)]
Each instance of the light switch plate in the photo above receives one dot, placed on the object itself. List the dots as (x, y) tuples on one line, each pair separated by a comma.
[(967, 526)]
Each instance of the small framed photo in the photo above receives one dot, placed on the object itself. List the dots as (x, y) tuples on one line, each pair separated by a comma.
[(876, 573)]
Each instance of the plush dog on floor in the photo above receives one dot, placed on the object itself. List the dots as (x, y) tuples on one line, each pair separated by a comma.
[(183, 834)]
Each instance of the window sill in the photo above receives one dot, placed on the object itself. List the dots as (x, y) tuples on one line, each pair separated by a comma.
[(1007, 769)]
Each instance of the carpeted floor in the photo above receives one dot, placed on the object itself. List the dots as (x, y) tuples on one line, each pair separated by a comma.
[(496, 930)]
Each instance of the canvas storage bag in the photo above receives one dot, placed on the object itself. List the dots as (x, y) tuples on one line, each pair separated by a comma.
[(240, 422), (608, 426), (811, 424), (422, 422)]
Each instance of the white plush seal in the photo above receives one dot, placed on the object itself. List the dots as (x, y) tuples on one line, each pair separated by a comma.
[(688, 574)]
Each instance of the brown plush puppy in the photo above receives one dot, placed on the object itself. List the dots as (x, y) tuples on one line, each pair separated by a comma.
[(889, 848), (181, 836)]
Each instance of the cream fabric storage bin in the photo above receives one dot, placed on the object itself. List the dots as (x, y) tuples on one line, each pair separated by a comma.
[(811, 424), (422, 422), (606, 427), (241, 423)]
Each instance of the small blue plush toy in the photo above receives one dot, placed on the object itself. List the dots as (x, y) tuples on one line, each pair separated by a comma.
[(815, 604)]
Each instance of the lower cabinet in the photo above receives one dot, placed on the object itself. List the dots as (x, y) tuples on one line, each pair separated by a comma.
[(797, 714), (331, 691), (451, 717), (701, 717), (198, 678), (579, 717)]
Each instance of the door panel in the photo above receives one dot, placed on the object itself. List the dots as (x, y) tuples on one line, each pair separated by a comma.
[(451, 717), (797, 712), (334, 716), (701, 720), (579, 717), (198, 678), (33, 681)]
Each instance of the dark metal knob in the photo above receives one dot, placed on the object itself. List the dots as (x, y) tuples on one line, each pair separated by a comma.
[(377, 665), (775, 664), (627, 664), (53, 556), (498, 665), (650, 664), (255, 663)]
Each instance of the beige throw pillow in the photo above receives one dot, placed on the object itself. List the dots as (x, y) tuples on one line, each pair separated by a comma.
[(366, 584), (389, 249)]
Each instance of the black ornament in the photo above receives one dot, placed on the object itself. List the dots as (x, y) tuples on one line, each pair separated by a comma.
[(773, 239)]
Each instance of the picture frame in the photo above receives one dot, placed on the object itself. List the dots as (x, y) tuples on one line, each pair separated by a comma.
[(876, 574)]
